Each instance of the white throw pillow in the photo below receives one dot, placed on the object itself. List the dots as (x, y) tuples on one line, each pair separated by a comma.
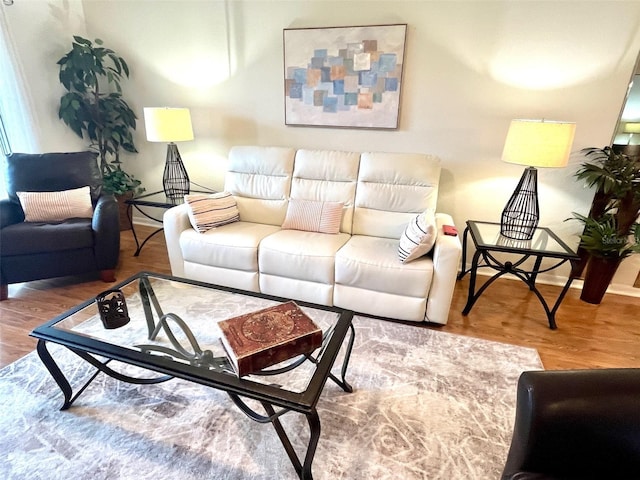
[(210, 211), (56, 206), (313, 216), (419, 237)]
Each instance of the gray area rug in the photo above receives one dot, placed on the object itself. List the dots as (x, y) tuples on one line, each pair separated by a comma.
[(426, 405)]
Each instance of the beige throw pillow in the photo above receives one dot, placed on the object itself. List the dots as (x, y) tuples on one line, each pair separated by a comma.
[(56, 206), (210, 211), (313, 216), (419, 237)]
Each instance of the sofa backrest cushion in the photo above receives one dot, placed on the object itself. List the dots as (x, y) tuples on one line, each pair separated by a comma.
[(260, 180), (329, 176), (392, 188)]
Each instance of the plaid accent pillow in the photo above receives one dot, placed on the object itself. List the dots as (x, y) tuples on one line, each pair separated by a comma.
[(419, 237), (56, 206), (313, 216), (210, 211)]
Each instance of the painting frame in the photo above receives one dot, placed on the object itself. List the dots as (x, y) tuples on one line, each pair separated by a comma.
[(344, 77)]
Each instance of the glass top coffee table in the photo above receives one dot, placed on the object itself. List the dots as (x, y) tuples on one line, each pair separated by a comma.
[(172, 331)]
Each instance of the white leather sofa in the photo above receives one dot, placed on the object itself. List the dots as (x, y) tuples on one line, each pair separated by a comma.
[(358, 268)]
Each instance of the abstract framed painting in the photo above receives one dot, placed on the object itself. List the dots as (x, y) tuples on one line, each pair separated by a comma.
[(348, 77)]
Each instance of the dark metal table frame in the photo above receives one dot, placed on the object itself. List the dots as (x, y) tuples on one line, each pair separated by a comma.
[(524, 250), (156, 200), (274, 400)]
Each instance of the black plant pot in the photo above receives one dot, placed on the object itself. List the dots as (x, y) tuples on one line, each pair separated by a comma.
[(600, 272)]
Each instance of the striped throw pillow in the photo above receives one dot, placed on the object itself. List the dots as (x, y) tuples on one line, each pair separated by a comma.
[(56, 206), (313, 216), (419, 237), (210, 211)]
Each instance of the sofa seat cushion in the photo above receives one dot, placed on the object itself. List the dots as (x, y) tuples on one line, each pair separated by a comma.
[(33, 238), (230, 246), (301, 255), (372, 263)]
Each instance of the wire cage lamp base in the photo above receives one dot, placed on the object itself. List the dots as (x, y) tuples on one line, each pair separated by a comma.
[(521, 214), (175, 180)]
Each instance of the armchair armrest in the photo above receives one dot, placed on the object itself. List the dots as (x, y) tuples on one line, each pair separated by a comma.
[(175, 221), (106, 227), (576, 424), (10, 213), (446, 260)]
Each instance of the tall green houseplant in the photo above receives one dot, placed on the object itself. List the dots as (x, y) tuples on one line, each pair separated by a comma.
[(611, 230), (94, 108)]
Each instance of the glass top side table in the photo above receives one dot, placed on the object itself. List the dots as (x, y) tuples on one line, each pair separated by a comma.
[(488, 241), (157, 200)]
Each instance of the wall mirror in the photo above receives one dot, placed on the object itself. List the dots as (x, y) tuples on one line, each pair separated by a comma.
[(626, 136), (627, 132)]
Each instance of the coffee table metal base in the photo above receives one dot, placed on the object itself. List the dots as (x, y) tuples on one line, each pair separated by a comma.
[(303, 468), (101, 366)]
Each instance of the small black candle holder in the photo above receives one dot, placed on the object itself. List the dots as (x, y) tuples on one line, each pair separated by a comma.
[(113, 309)]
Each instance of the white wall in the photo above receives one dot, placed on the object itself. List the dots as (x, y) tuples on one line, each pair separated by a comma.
[(471, 67)]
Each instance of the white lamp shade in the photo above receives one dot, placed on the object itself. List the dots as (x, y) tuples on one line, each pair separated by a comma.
[(168, 124), (539, 143)]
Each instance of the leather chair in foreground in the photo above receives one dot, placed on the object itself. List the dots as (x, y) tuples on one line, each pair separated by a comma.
[(34, 250), (576, 424)]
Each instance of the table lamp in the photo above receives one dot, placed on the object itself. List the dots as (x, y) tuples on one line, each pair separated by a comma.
[(170, 125), (535, 143)]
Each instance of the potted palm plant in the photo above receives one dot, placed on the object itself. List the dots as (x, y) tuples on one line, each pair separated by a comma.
[(611, 230), (94, 109)]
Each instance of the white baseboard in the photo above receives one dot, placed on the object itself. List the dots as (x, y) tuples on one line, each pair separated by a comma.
[(146, 222)]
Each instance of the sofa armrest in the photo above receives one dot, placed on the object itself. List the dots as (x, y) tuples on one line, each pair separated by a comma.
[(446, 260), (576, 424), (175, 221), (10, 213), (106, 226)]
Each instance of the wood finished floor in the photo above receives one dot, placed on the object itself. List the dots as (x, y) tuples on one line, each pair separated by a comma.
[(588, 336)]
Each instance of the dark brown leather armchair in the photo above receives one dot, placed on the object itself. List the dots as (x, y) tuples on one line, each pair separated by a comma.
[(576, 424), (36, 250)]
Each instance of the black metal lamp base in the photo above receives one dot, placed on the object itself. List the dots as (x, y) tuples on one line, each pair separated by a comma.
[(521, 214), (175, 180)]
